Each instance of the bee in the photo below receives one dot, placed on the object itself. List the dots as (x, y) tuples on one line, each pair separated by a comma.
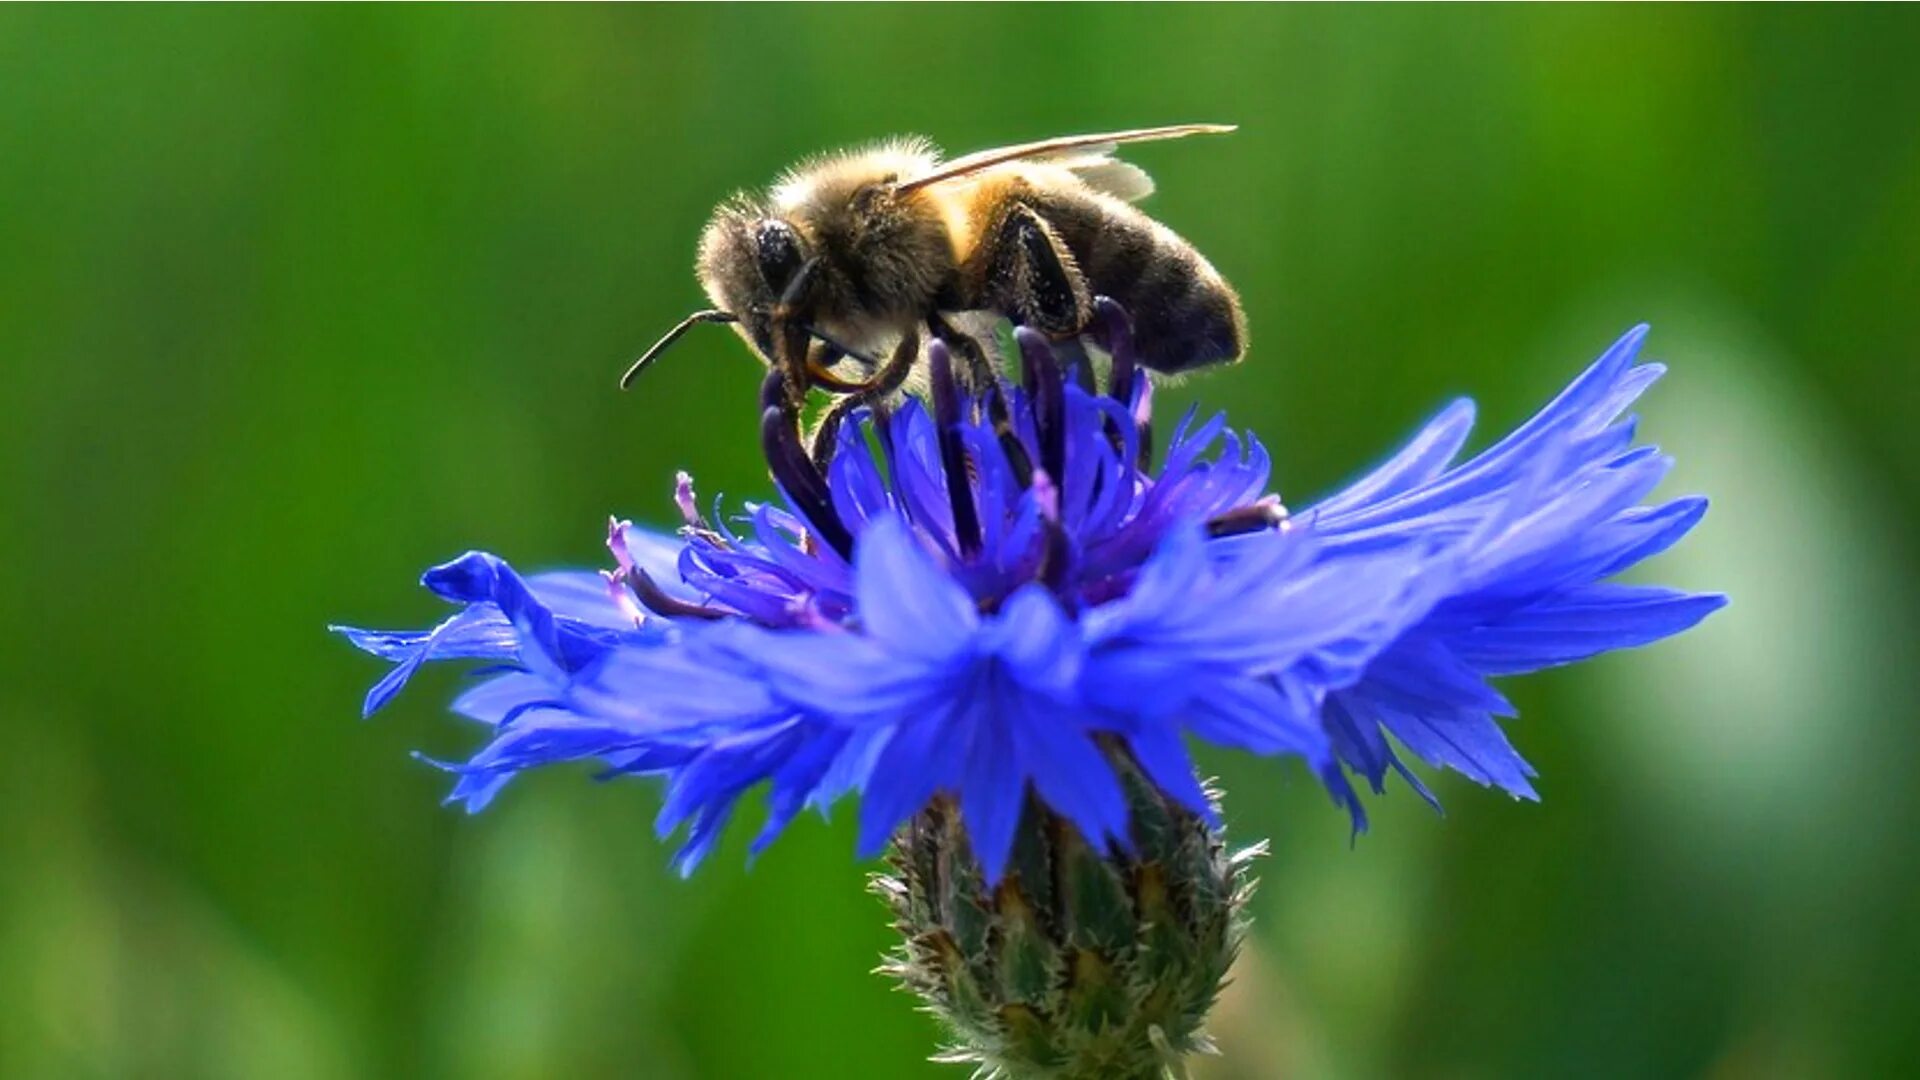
[(850, 257)]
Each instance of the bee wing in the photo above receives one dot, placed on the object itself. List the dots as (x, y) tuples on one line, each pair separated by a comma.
[(1097, 150), (1102, 172)]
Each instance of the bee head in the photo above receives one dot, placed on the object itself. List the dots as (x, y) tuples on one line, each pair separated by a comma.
[(759, 268), (779, 253), (829, 254)]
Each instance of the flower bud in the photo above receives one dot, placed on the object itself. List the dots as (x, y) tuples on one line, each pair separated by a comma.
[(1079, 963)]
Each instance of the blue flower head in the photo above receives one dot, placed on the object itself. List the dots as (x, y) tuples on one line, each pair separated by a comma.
[(987, 595)]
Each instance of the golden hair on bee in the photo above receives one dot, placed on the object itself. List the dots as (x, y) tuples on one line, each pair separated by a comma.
[(903, 156), (850, 256)]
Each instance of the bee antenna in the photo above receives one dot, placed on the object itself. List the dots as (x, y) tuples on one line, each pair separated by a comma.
[(671, 336)]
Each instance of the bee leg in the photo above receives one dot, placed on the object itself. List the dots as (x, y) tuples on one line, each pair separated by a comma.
[(988, 385), (885, 382), (792, 353), (1032, 277), (979, 372), (813, 368), (820, 360), (827, 432)]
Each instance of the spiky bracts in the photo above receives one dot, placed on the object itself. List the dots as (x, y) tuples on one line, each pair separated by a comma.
[(1078, 965)]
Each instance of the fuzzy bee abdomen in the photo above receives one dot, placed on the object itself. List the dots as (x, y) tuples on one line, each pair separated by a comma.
[(1185, 315)]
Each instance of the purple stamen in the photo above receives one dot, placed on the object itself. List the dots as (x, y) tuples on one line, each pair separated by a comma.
[(793, 469), (1010, 444), (1049, 399), (953, 453), (1071, 356), (773, 391), (1056, 556), (1143, 424), (658, 601), (1115, 332), (622, 597), (1047, 495), (1126, 384), (683, 497)]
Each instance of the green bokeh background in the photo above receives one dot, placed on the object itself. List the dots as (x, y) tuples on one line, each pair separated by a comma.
[(294, 303)]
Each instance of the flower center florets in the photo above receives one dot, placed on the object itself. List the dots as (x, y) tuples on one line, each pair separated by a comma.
[(1046, 477)]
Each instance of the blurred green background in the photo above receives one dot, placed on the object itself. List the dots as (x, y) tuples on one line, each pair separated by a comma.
[(294, 303)]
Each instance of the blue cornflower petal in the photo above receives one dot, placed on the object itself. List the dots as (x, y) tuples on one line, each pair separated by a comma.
[(1419, 462), (1070, 773), (856, 641), (904, 597), (1036, 642), (482, 634), (1363, 748), (568, 618), (1580, 623), (797, 779), (471, 635), (917, 761), (1164, 758), (857, 679), (503, 697), (1440, 711), (1540, 519), (993, 786)]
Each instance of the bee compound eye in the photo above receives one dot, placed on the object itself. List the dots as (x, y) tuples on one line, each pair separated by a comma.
[(777, 250)]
